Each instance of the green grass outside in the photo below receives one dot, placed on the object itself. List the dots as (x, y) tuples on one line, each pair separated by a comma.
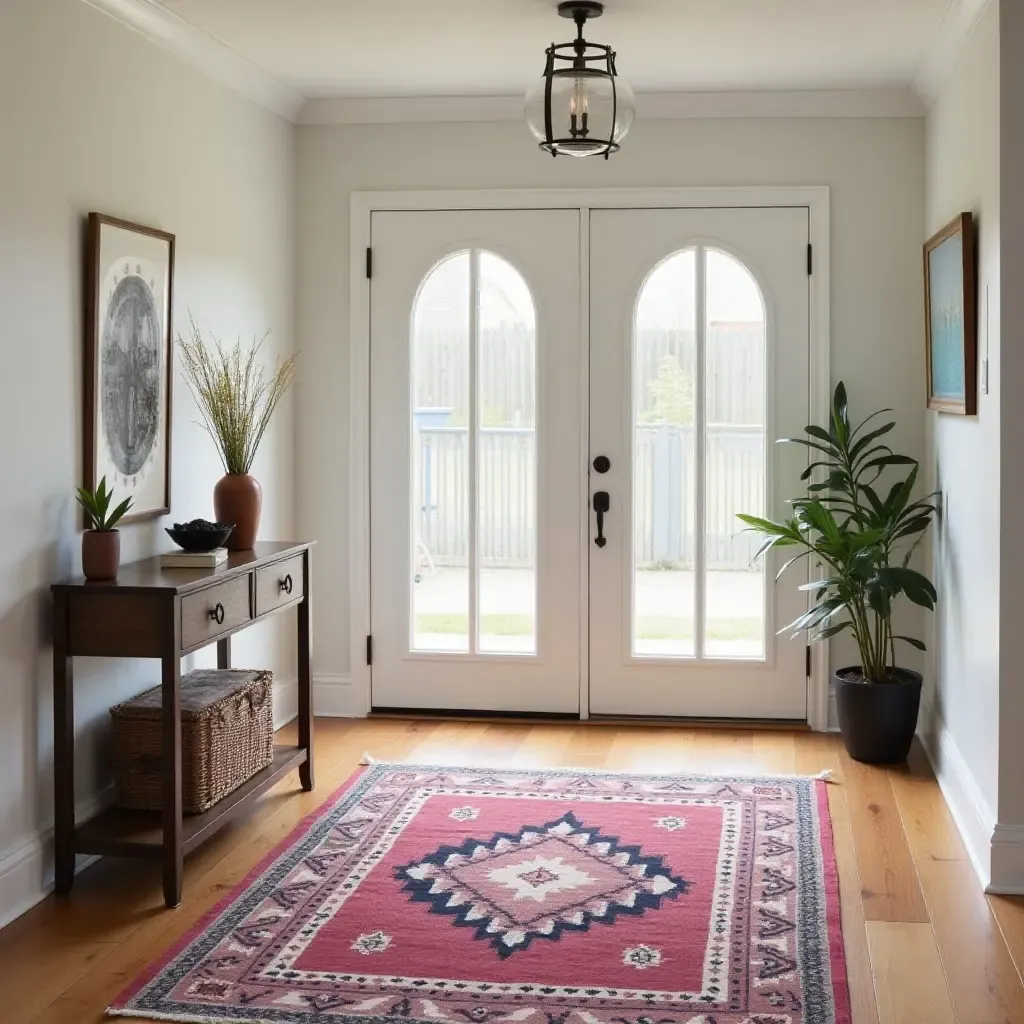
[(652, 627)]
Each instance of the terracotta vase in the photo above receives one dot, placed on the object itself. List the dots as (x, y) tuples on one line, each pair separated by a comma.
[(101, 554), (238, 499)]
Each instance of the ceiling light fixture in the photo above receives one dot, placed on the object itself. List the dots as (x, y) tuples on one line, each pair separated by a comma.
[(580, 107)]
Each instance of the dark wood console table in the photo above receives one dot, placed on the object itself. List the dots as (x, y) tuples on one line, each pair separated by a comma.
[(150, 612)]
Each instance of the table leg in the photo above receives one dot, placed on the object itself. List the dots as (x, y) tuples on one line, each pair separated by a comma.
[(173, 856), (63, 749), (305, 655), (224, 653)]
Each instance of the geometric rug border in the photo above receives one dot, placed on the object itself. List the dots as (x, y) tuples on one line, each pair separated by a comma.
[(821, 995)]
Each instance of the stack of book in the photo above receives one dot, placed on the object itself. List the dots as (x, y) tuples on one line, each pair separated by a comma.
[(194, 559)]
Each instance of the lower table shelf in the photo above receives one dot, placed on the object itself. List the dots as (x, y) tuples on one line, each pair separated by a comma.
[(121, 833)]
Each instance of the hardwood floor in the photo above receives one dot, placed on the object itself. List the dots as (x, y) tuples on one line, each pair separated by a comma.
[(924, 944)]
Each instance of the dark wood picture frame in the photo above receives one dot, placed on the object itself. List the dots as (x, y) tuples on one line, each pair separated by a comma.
[(91, 363), (962, 226)]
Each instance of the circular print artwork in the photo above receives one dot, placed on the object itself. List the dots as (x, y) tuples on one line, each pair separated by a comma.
[(130, 375)]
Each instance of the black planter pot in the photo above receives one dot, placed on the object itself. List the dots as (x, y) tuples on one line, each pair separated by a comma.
[(878, 720)]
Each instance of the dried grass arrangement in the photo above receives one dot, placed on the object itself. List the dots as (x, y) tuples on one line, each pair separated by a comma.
[(234, 393)]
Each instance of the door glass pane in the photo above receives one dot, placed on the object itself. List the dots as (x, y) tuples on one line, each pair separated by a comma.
[(664, 372), (735, 459), (506, 459), (440, 490)]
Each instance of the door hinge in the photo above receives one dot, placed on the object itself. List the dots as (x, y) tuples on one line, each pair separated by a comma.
[(369, 650), (810, 259), (369, 262), (808, 666)]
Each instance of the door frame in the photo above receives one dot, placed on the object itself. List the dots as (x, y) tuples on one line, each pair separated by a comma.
[(815, 198)]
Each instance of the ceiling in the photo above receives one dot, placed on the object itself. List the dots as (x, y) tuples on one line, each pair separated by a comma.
[(410, 48)]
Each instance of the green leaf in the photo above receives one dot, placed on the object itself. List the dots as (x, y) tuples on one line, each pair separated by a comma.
[(889, 460), (816, 615), (830, 631), (864, 422), (910, 640), (807, 444), (766, 526), (876, 503), (868, 438), (795, 558), (917, 587), (900, 494), (118, 512), (840, 414), (817, 584), (821, 434)]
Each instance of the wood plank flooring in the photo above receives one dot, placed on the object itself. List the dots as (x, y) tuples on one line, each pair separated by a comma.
[(924, 944)]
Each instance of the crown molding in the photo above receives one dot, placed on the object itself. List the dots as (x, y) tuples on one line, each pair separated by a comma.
[(958, 25), (203, 52), (657, 106), (217, 60)]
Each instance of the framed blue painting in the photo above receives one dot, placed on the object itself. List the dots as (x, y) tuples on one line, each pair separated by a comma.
[(951, 322)]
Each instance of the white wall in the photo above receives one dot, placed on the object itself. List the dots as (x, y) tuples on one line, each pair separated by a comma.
[(1007, 861), (962, 174), (92, 117), (876, 172)]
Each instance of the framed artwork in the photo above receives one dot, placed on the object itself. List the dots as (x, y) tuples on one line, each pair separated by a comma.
[(128, 362), (951, 321)]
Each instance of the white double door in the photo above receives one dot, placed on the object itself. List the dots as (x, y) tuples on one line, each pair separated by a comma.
[(493, 585)]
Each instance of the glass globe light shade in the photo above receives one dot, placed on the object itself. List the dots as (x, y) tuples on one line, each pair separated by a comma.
[(581, 112)]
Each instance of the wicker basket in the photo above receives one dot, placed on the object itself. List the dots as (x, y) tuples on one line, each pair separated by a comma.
[(227, 736)]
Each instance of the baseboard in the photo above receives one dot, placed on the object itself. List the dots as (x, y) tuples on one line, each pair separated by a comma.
[(1007, 861), (286, 702), (974, 819), (333, 697), (26, 868)]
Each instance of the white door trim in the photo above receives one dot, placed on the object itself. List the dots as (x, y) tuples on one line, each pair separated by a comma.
[(814, 197)]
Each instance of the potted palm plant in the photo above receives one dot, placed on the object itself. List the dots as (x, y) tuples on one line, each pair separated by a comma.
[(101, 543), (237, 402), (862, 536)]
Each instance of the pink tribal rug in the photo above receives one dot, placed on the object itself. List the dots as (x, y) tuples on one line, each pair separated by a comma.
[(460, 896)]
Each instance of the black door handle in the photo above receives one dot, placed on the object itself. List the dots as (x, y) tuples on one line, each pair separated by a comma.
[(602, 503)]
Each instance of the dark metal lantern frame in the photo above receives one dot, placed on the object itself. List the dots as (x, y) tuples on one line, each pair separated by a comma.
[(579, 59)]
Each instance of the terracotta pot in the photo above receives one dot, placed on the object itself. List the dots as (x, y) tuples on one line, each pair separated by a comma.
[(238, 499), (101, 554)]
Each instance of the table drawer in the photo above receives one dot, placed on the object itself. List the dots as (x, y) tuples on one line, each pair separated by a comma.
[(279, 584), (214, 611)]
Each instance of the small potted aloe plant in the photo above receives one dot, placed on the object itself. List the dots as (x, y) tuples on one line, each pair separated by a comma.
[(101, 543), (863, 537)]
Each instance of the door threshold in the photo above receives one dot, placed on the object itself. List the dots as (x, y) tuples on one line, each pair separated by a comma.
[(540, 717), (752, 724), (449, 714)]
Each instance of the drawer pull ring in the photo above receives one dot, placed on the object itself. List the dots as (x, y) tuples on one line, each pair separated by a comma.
[(286, 584), (217, 613)]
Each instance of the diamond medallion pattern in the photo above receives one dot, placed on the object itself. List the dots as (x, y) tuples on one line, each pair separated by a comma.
[(540, 882)]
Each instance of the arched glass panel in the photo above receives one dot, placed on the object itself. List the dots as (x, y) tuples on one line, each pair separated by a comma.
[(699, 390), (474, 356)]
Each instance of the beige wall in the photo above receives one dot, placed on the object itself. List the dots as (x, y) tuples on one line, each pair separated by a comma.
[(875, 169), (964, 452), (93, 117)]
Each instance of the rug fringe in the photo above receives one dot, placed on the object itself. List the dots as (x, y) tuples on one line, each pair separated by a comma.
[(368, 759), (179, 1018)]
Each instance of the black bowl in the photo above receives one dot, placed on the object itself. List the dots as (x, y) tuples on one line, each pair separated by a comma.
[(207, 538)]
